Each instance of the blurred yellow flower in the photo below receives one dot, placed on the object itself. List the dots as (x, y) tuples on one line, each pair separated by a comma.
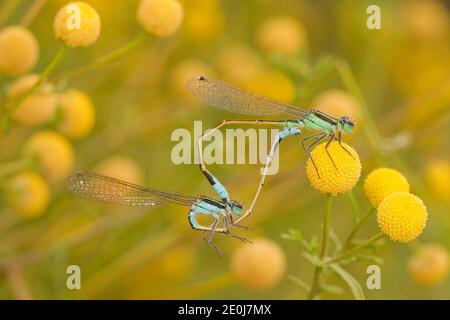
[(437, 173), (28, 194), (121, 167), (77, 24), (429, 265), (203, 19), (272, 84), (426, 19), (337, 103), (38, 107), (402, 216), (259, 265), (185, 70), (54, 153), (238, 64), (19, 50), (160, 17), (78, 114), (382, 182), (283, 35), (331, 179)]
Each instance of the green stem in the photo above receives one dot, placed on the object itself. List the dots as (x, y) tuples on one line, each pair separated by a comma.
[(358, 247), (43, 77), (107, 59), (16, 166), (315, 288), (369, 128), (358, 226), (355, 207)]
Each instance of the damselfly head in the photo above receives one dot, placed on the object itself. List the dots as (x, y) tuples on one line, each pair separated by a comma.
[(346, 124), (236, 207)]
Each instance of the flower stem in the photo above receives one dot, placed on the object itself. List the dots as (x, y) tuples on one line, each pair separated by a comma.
[(107, 59), (355, 207), (358, 227), (358, 247), (315, 288)]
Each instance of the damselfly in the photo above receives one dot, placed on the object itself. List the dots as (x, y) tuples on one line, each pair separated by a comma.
[(102, 188), (226, 97)]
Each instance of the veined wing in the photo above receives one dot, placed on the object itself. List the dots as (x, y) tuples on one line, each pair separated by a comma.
[(227, 97), (102, 188)]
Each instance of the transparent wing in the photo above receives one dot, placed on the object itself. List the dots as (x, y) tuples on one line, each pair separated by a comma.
[(102, 188), (226, 97)]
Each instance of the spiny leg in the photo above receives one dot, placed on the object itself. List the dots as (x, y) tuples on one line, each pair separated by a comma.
[(230, 217), (306, 149), (208, 237), (342, 146), (332, 136)]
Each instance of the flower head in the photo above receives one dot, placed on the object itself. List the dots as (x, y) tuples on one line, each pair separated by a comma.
[(429, 265), (382, 182), (402, 216), (331, 179), (28, 194), (121, 167), (37, 108), (77, 24), (437, 173), (160, 17), (284, 35), (78, 114), (54, 153), (259, 265), (19, 50)]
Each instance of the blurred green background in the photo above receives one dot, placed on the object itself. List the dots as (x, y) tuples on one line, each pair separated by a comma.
[(402, 71)]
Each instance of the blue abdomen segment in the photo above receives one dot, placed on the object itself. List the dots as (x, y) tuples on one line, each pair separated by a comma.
[(286, 132), (218, 187)]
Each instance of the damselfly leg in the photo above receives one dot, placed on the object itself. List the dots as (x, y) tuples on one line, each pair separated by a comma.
[(343, 147)]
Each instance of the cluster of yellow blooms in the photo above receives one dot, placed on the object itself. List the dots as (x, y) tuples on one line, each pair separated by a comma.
[(72, 112), (401, 215)]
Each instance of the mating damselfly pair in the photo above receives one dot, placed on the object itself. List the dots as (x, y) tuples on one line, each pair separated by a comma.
[(223, 96)]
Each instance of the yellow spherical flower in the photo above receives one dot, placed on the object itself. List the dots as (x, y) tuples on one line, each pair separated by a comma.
[(77, 24), (121, 167), (382, 182), (19, 50), (337, 103), (331, 179), (429, 265), (259, 265), (160, 17), (38, 107), (402, 216), (185, 70), (437, 173), (426, 19), (272, 84), (28, 194), (53, 152), (284, 35), (78, 114)]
